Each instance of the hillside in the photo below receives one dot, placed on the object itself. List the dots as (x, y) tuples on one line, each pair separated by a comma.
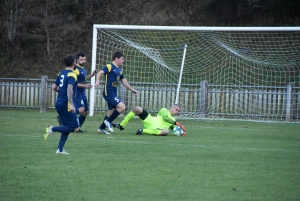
[(36, 34)]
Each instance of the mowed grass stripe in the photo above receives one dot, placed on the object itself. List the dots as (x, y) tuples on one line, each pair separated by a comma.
[(115, 140)]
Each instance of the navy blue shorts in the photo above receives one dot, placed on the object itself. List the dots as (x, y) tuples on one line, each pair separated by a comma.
[(112, 100), (68, 118), (81, 101)]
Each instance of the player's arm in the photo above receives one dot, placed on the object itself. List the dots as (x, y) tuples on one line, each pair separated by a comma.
[(91, 75), (127, 85), (164, 113), (99, 74), (55, 87), (86, 86), (70, 97)]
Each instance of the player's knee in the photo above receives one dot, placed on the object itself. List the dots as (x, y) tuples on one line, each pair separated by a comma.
[(81, 110), (164, 132), (121, 107), (137, 110), (84, 113)]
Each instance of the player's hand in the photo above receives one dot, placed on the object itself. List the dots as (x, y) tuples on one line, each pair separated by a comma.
[(72, 108), (88, 86), (96, 83), (94, 72), (180, 126), (134, 91)]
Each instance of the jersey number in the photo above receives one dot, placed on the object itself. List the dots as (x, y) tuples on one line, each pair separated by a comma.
[(117, 99), (61, 83)]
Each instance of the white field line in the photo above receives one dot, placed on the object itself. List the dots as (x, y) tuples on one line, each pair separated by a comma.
[(202, 127), (157, 143)]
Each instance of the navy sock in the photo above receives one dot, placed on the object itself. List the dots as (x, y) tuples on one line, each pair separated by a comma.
[(63, 140), (65, 128), (113, 116), (103, 126), (81, 119)]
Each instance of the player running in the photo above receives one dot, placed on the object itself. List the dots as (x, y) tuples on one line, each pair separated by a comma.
[(113, 76), (66, 81), (81, 103)]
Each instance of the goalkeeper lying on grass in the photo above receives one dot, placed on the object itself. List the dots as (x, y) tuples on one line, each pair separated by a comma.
[(158, 125)]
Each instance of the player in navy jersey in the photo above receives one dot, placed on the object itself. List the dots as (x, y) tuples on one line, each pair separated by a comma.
[(66, 86), (113, 75), (81, 103)]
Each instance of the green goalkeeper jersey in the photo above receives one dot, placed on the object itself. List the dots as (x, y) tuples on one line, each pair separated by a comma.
[(165, 119)]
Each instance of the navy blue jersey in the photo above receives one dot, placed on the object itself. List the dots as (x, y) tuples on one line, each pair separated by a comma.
[(64, 78), (81, 77), (113, 75)]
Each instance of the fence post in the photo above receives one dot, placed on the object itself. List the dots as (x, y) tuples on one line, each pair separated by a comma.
[(289, 101), (203, 98), (44, 94)]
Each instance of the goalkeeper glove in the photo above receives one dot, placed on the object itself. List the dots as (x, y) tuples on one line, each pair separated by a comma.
[(180, 126)]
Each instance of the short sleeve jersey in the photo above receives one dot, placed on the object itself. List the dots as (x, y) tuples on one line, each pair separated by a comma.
[(64, 78), (113, 75), (164, 118), (81, 77)]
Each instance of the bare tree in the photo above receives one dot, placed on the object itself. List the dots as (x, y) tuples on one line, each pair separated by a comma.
[(49, 18), (9, 11)]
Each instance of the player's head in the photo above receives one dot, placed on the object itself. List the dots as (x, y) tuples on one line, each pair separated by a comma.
[(80, 59), (174, 109), (69, 60), (118, 58)]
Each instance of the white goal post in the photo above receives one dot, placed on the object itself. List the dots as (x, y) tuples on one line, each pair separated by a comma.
[(244, 73)]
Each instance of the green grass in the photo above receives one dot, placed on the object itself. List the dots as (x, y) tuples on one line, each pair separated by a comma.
[(218, 160)]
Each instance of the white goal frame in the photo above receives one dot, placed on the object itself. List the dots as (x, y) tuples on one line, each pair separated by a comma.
[(170, 28)]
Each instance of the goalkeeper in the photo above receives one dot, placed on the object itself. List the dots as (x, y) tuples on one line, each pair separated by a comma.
[(158, 125)]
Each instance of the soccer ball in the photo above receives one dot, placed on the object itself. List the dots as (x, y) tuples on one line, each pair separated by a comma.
[(177, 131)]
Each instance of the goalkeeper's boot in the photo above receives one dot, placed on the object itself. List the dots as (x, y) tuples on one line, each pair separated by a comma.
[(117, 125), (103, 131), (61, 152), (139, 132), (80, 131), (48, 132), (58, 120), (108, 125)]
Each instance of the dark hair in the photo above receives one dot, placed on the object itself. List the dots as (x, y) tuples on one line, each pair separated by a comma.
[(117, 55), (80, 54), (69, 60)]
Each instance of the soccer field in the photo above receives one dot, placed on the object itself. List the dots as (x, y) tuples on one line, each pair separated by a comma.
[(218, 160)]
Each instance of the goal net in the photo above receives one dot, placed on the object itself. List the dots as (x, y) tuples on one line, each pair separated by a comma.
[(249, 73)]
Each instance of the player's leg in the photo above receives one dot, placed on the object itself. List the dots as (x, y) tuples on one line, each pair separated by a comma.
[(135, 111), (83, 114), (61, 143), (72, 122), (120, 108), (102, 127), (114, 102), (152, 131), (80, 102), (150, 126)]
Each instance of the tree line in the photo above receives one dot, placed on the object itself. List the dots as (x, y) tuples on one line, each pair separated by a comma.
[(36, 34)]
